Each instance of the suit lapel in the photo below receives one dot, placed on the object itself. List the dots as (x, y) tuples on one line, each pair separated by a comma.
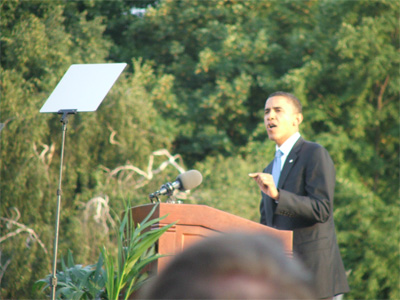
[(268, 169), (290, 161)]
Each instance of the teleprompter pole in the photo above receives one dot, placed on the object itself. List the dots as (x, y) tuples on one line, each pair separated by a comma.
[(53, 279)]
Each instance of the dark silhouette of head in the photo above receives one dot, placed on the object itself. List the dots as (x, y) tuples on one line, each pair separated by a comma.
[(232, 266)]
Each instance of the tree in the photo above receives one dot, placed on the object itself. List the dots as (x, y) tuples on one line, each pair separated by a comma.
[(339, 58), (127, 129), (225, 56), (30, 65), (198, 76), (349, 87)]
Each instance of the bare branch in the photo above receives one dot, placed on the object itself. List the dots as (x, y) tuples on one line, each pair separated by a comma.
[(381, 92), (46, 156), (3, 268), (112, 135), (125, 173), (99, 208), (21, 228)]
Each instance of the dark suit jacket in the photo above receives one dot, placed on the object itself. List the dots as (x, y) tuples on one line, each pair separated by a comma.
[(306, 187)]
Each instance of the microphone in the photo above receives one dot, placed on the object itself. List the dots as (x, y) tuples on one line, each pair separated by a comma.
[(184, 181)]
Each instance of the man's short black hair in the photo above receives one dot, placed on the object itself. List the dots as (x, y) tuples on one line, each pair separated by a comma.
[(293, 99)]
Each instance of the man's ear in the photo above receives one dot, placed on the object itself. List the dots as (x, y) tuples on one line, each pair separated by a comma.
[(298, 119)]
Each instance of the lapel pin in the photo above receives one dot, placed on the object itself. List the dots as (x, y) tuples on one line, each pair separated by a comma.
[(290, 161)]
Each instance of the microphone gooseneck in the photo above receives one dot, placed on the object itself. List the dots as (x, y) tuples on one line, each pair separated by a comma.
[(185, 181)]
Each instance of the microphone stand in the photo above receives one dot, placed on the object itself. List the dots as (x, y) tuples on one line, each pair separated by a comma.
[(53, 279), (169, 192), (168, 186)]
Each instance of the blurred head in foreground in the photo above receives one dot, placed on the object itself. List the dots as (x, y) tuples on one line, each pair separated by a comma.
[(232, 266)]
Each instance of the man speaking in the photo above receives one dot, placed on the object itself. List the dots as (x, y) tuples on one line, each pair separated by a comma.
[(297, 190)]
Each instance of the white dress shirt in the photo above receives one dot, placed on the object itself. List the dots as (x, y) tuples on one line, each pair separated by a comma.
[(287, 146)]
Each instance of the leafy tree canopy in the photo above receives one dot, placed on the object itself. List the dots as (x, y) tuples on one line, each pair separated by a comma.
[(193, 97)]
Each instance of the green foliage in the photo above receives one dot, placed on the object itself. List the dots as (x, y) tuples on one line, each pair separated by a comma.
[(77, 281), (198, 76), (134, 253), (227, 186), (111, 277), (368, 238), (225, 56)]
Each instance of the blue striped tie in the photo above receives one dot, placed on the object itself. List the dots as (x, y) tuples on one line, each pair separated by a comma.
[(276, 167)]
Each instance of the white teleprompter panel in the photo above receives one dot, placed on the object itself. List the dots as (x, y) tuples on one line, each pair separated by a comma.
[(83, 87)]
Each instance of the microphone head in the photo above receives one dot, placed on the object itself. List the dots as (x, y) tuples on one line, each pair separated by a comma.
[(189, 180)]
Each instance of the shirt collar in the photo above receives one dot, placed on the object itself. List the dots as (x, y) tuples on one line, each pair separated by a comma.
[(287, 146)]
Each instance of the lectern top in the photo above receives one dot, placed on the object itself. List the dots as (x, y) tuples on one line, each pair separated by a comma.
[(83, 87)]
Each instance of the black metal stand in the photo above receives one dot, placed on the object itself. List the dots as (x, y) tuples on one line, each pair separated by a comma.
[(53, 279), (169, 190)]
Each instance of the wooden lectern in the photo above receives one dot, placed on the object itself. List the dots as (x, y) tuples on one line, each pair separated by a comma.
[(197, 221)]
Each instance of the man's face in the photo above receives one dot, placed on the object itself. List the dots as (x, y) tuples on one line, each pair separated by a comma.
[(281, 119)]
